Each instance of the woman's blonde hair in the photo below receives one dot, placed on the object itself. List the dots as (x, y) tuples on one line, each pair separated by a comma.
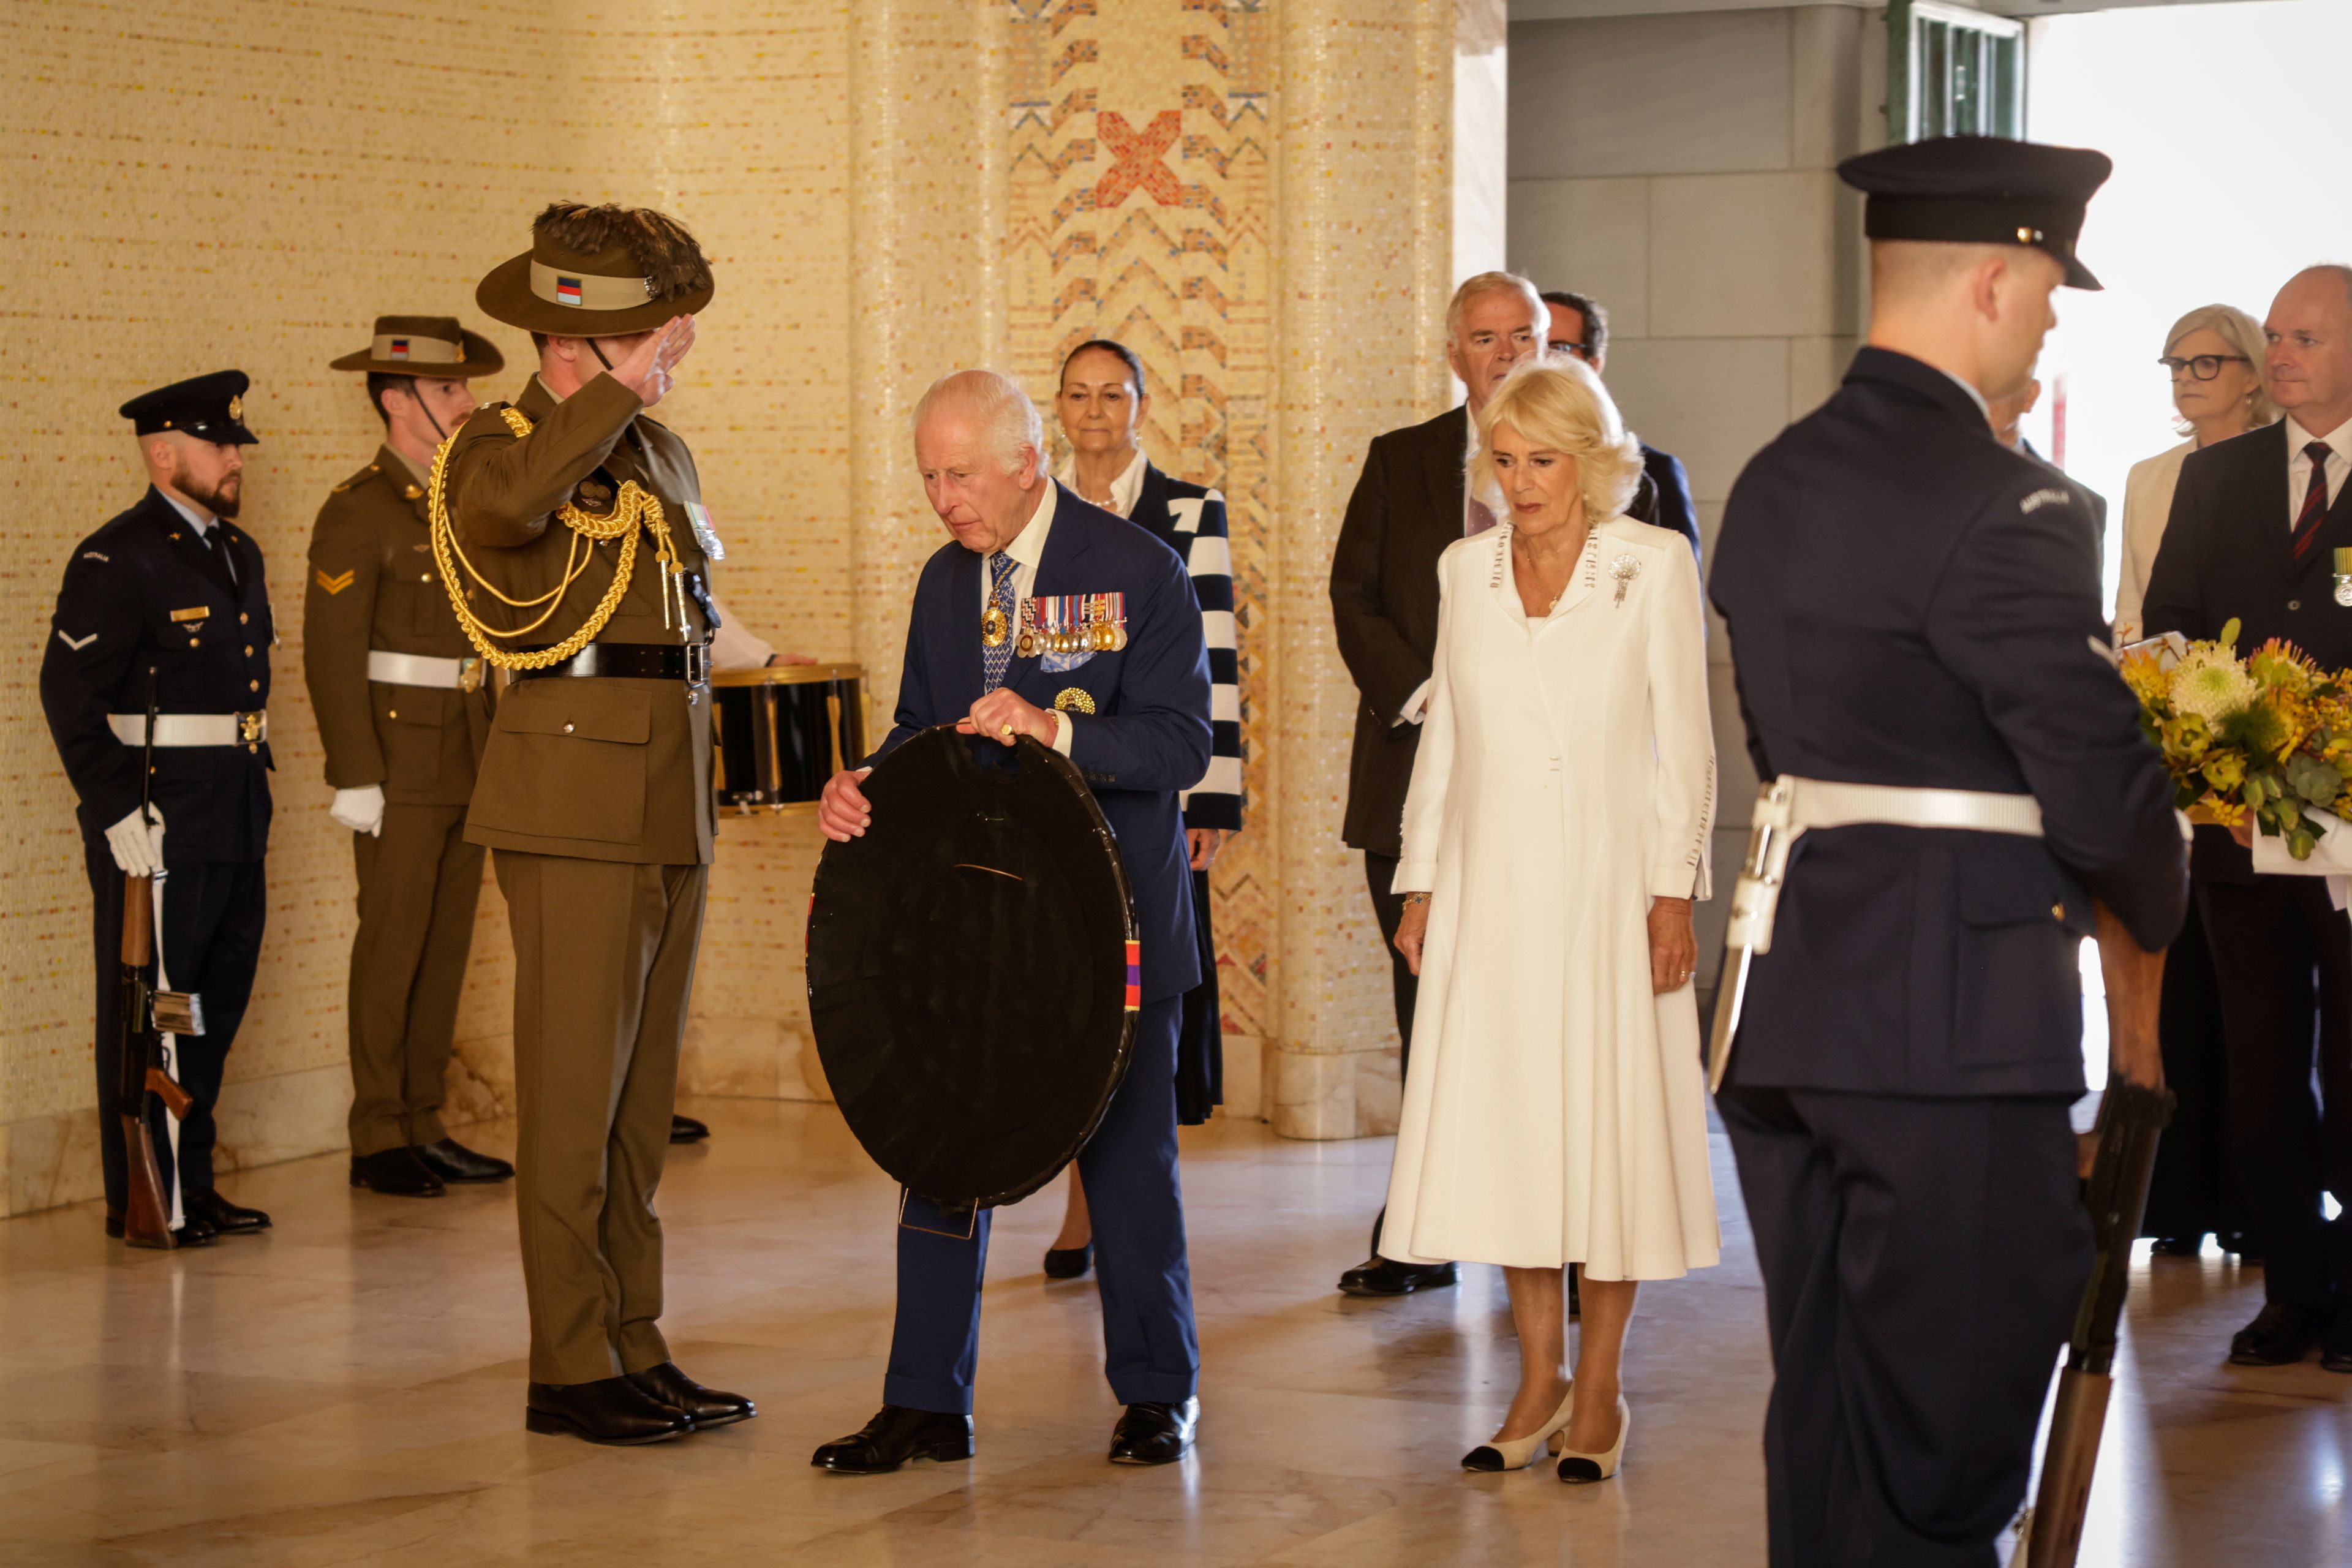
[(1558, 405), (2244, 336)]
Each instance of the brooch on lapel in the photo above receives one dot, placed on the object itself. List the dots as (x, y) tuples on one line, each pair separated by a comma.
[(1626, 568)]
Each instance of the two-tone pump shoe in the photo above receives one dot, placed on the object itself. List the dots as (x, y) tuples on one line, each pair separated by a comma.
[(1582, 1469), (1518, 1453)]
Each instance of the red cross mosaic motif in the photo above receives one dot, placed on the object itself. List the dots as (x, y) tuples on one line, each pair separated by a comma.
[(1142, 158)]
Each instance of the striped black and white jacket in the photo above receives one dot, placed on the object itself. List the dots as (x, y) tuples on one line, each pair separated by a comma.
[(1190, 519)]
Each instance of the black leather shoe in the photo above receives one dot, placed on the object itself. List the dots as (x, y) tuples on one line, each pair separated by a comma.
[(610, 1410), (2336, 1348), (686, 1130), (2279, 1335), (1380, 1277), (707, 1406), (1069, 1262), (2177, 1246), (2243, 1244), (220, 1214), (453, 1161), (397, 1173), (1155, 1434), (196, 1233), (895, 1436)]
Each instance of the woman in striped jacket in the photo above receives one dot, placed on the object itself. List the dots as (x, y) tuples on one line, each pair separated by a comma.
[(1101, 403)]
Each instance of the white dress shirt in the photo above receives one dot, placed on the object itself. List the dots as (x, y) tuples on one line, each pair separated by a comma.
[(1124, 490), (1027, 549), (2298, 464), (202, 523)]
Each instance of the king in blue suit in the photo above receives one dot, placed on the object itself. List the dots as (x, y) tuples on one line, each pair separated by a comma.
[(1135, 721)]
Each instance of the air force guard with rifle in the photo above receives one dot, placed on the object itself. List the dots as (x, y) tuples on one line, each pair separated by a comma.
[(1913, 610), (402, 712), (570, 533), (160, 649)]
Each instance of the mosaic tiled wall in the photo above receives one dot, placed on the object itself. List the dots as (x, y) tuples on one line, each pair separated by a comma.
[(1251, 191)]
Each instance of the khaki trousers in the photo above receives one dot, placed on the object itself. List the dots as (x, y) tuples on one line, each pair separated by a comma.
[(418, 885), (604, 969)]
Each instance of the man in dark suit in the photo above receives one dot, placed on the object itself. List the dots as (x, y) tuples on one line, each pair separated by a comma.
[(1410, 502), (2255, 527), (167, 605), (1910, 607), (1578, 325), (1134, 719)]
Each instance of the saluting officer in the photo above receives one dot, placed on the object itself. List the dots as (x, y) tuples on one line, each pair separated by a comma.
[(167, 606), (1913, 608), (403, 711), (585, 560)]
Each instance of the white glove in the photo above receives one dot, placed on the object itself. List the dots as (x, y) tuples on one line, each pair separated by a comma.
[(138, 845), (360, 809)]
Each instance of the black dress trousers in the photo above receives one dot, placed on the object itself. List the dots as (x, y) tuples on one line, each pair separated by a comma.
[(2194, 1187), (1200, 1032), (214, 914), (2283, 955), (1923, 1258), (1388, 908)]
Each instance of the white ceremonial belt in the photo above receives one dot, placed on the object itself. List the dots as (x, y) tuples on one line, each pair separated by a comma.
[(1785, 809), (192, 729), (418, 670)]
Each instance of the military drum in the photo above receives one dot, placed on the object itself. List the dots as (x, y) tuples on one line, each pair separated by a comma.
[(781, 731)]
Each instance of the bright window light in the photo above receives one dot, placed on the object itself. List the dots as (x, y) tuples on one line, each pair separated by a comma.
[(2229, 178)]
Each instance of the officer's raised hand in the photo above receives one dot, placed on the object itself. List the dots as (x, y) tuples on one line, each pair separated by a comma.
[(646, 368), (842, 811)]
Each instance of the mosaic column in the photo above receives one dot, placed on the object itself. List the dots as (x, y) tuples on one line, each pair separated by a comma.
[(1364, 130)]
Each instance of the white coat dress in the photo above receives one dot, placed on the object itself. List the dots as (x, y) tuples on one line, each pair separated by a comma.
[(1556, 1111)]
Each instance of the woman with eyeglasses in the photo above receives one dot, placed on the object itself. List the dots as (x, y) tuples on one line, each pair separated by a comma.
[(2214, 355)]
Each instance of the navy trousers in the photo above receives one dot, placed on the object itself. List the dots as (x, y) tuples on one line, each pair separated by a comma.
[(1151, 1353), (214, 914), (1922, 1259)]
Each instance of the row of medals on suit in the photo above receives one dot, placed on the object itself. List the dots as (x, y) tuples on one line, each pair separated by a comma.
[(1100, 631)]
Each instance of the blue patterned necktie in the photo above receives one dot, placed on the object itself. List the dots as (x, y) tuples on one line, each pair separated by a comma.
[(994, 660)]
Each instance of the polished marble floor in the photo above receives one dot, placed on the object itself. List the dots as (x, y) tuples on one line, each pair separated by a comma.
[(346, 1390)]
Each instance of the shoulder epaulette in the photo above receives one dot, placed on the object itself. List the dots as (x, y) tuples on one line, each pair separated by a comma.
[(363, 476)]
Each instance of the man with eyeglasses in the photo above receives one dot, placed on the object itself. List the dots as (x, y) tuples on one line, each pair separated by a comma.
[(2282, 947), (1578, 325)]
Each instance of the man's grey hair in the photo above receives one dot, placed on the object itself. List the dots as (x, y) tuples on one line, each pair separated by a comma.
[(1005, 412), (1494, 283)]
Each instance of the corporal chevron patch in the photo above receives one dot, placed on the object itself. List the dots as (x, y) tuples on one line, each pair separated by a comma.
[(335, 585)]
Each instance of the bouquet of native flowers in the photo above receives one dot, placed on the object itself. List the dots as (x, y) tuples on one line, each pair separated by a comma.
[(2267, 736)]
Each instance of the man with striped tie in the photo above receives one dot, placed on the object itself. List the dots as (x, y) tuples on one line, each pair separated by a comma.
[(2225, 557), (1048, 617)]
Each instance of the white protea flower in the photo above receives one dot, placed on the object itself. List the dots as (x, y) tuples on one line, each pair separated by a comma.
[(2212, 684)]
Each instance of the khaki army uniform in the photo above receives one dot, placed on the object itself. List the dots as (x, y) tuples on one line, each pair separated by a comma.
[(401, 704), (595, 793)]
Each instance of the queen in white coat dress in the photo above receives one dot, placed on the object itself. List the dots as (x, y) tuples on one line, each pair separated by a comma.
[(1554, 837)]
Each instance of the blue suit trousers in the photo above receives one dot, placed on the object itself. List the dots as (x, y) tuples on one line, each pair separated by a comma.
[(1150, 1351)]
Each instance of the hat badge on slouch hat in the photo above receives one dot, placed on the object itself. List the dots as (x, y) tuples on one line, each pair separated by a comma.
[(1981, 190), (435, 347), (209, 407)]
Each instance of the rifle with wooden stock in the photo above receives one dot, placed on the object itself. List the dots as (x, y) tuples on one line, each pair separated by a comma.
[(146, 1014), (2132, 1116)]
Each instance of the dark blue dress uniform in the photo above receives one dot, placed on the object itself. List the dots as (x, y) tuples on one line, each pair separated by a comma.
[(1910, 604), (1145, 737), (149, 605)]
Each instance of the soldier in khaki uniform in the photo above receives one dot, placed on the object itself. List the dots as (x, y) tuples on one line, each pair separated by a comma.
[(403, 713), (574, 527)]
